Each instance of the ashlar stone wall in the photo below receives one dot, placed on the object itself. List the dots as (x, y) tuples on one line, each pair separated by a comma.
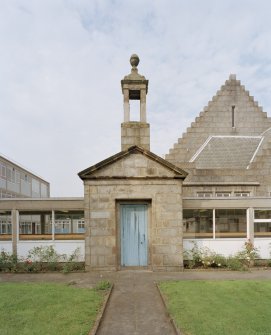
[(216, 119), (164, 221), (231, 112), (135, 179)]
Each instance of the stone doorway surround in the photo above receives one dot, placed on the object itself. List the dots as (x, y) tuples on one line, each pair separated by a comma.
[(142, 238)]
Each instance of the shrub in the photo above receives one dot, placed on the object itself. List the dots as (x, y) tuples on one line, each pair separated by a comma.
[(235, 264), (206, 258), (193, 256), (42, 258), (103, 285), (72, 262), (8, 262), (203, 257), (248, 254), (39, 259)]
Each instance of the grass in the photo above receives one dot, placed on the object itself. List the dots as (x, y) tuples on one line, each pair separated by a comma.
[(47, 309), (220, 307)]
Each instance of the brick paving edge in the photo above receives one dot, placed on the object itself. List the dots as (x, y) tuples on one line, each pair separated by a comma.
[(100, 317), (176, 330)]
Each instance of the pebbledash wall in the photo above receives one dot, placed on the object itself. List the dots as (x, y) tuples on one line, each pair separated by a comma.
[(140, 210)]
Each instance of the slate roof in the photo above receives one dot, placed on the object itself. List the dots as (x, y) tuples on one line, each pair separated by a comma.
[(227, 152)]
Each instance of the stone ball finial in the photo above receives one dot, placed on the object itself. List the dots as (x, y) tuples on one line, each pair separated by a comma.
[(134, 60)]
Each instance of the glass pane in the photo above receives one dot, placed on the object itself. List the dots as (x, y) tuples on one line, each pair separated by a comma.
[(69, 222), (5, 226), (262, 229), (197, 223), (262, 214), (230, 223), (35, 223), (29, 224)]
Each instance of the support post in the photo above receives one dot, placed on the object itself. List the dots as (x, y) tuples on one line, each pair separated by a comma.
[(15, 230), (126, 105), (53, 225), (143, 117), (250, 224)]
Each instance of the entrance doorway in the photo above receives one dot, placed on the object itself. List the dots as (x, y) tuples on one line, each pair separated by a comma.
[(134, 239)]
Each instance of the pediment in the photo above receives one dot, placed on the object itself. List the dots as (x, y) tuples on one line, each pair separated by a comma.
[(135, 162)]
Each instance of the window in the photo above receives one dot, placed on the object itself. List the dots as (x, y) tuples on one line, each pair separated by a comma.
[(262, 229), (5, 224), (18, 177), (35, 188), (223, 194), (218, 223), (63, 226), (2, 171), (204, 194), (9, 174), (44, 192), (241, 194), (26, 178), (230, 223), (262, 223), (69, 222), (37, 225), (25, 227), (197, 223), (232, 116), (81, 226), (262, 214), (29, 224)]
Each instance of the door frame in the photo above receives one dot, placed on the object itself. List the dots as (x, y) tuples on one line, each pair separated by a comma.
[(118, 231)]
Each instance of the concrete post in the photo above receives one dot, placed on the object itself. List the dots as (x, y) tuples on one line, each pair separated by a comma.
[(15, 230), (53, 225), (250, 224), (214, 233)]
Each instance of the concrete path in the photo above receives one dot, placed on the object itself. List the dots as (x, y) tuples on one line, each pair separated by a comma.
[(135, 307)]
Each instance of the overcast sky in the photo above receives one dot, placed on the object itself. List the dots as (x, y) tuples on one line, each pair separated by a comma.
[(61, 62)]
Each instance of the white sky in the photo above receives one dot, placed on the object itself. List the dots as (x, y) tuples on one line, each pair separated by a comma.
[(61, 63)]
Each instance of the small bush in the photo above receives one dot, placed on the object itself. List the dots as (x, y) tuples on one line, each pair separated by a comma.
[(193, 256), (248, 254), (8, 262), (206, 258), (40, 259), (72, 262), (103, 285), (203, 257), (235, 264)]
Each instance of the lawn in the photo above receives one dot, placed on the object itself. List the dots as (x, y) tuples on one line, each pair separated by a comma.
[(220, 307), (47, 309)]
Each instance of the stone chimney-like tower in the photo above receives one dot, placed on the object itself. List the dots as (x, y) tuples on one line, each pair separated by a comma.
[(135, 87)]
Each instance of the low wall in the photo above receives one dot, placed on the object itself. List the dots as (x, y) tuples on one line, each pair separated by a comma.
[(62, 247), (6, 246), (264, 247)]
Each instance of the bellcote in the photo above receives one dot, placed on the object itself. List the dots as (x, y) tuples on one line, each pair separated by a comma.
[(134, 87)]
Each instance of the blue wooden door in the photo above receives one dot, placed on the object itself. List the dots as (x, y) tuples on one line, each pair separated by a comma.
[(134, 249)]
